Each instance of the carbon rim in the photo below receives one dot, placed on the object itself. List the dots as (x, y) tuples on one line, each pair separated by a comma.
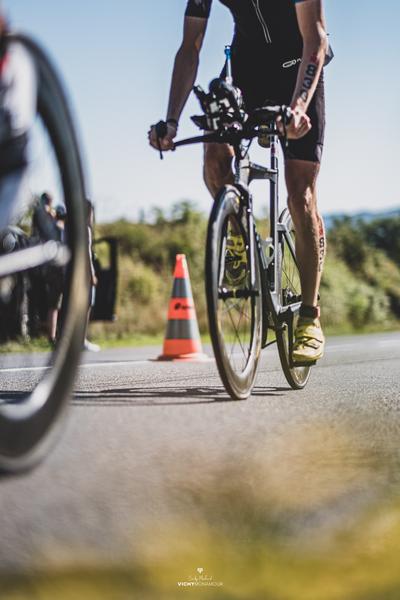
[(35, 385)]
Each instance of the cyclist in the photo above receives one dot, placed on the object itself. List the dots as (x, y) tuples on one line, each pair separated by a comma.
[(278, 53), (17, 112)]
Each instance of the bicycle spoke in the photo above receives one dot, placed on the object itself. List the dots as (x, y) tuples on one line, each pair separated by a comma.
[(236, 329)]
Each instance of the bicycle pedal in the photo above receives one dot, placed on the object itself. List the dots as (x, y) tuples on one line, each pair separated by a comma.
[(304, 363)]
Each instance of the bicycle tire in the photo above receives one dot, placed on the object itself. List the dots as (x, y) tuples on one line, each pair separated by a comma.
[(30, 419), (289, 291), (234, 315)]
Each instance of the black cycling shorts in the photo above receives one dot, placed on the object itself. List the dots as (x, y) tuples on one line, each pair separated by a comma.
[(276, 87)]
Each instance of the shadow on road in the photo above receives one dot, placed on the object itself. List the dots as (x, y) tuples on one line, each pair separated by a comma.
[(12, 397), (161, 396)]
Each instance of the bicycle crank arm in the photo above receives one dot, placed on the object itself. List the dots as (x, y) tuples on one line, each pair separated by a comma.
[(29, 258)]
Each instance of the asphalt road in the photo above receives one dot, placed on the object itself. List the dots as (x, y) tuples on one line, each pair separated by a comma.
[(146, 442)]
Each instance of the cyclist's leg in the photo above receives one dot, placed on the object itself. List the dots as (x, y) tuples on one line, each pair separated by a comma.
[(217, 166), (301, 178), (218, 173), (302, 166)]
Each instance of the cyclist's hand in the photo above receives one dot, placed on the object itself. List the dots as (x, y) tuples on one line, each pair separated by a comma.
[(166, 142), (299, 125)]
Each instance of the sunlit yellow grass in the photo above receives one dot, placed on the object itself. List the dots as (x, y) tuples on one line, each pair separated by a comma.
[(295, 522)]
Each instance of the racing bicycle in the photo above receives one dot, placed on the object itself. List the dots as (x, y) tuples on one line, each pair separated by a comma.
[(36, 380), (263, 307)]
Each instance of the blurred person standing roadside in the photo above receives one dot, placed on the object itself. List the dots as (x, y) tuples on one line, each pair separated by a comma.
[(87, 345), (43, 218), (60, 215), (54, 275)]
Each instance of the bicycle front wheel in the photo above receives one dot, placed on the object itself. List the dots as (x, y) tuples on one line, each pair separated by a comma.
[(41, 277), (289, 296), (233, 290)]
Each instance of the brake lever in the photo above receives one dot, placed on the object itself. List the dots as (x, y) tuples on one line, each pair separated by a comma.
[(161, 131), (286, 115)]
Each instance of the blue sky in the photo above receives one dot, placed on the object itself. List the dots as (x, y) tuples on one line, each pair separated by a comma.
[(116, 59)]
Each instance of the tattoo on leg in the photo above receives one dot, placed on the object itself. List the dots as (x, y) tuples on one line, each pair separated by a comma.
[(322, 248)]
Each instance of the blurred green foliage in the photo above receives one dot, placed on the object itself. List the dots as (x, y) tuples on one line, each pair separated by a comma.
[(371, 254), (360, 288)]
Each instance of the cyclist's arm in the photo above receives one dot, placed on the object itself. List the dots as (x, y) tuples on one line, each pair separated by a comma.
[(311, 20), (186, 65), (183, 77)]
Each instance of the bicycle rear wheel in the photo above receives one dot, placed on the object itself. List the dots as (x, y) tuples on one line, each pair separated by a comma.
[(289, 294), (36, 377), (234, 308)]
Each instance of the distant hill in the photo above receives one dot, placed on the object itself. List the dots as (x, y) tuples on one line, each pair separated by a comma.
[(365, 216)]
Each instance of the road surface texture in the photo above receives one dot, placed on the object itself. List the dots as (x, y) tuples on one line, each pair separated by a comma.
[(154, 452)]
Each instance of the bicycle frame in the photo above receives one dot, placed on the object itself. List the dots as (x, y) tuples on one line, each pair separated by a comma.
[(247, 171)]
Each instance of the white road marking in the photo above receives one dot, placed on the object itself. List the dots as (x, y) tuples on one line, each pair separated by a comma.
[(21, 369), (353, 345), (121, 363), (340, 347), (394, 343), (390, 343)]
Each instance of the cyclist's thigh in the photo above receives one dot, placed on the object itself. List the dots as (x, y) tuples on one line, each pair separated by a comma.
[(277, 88), (218, 157), (300, 176)]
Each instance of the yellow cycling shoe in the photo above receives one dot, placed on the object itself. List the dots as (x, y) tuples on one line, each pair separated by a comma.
[(235, 260), (309, 341)]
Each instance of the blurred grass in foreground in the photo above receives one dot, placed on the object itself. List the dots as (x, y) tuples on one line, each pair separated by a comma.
[(313, 518), (360, 564)]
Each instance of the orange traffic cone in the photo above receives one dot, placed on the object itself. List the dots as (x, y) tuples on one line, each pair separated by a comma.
[(182, 339)]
